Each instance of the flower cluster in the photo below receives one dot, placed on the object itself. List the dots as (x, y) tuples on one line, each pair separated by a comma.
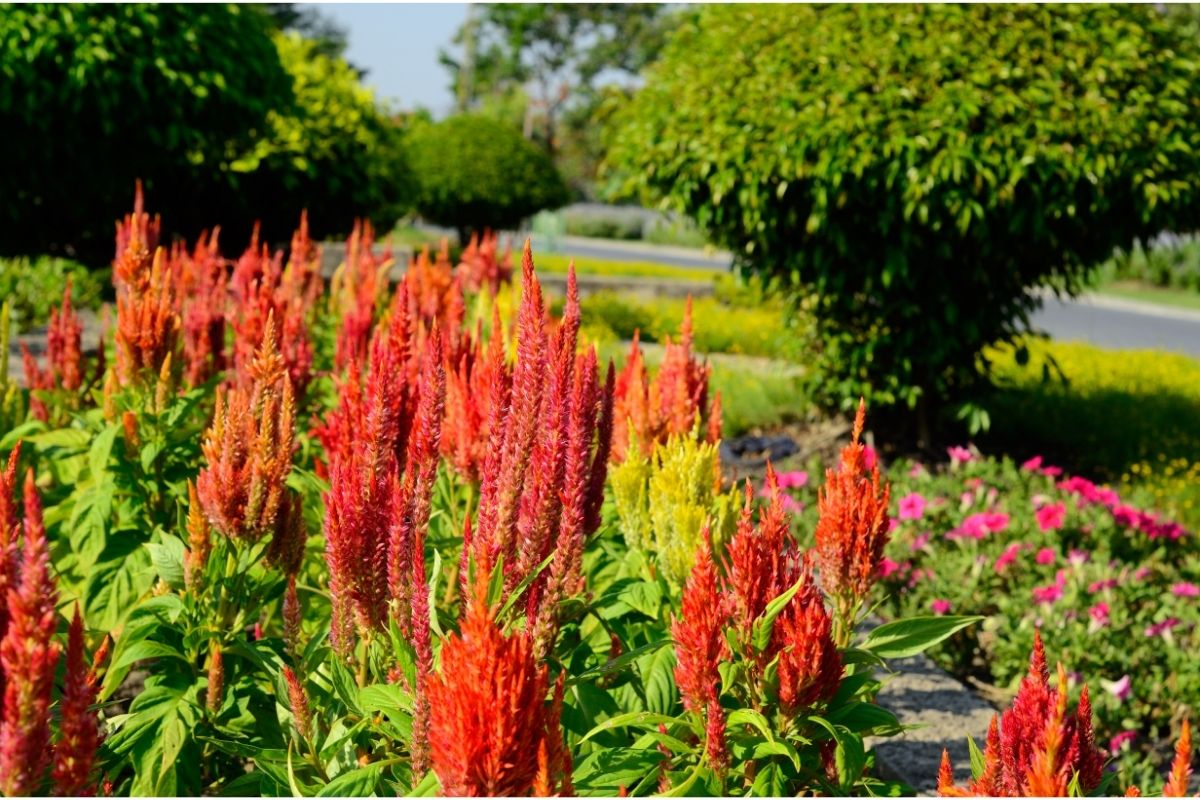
[(852, 529), (354, 292), (29, 658), (65, 366), (674, 402), (796, 667), (248, 449), (482, 265)]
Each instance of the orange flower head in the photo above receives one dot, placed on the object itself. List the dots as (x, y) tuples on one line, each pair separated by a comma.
[(79, 729)]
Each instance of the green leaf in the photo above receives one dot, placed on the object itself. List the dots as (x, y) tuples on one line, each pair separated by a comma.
[(619, 663), (778, 748), (386, 697), (748, 716), (908, 637), (168, 555), (864, 718), (978, 763), (521, 587), (145, 650), (637, 719), (658, 679), (769, 782), (765, 624), (344, 685), (101, 449), (428, 787), (355, 783)]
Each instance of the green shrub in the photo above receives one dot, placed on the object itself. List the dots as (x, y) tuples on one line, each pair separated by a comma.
[(606, 223), (32, 286), (333, 152), (475, 173), (920, 168), (96, 95), (1170, 264)]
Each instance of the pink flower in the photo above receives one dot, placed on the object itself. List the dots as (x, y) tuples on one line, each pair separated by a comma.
[(1159, 628), (1100, 586), (1185, 590), (893, 524), (921, 540), (791, 504), (917, 470), (1051, 517), (912, 506), (870, 457), (1099, 613), (796, 479), (1052, 593), (940, 607), (1033, 465), (1120, 740), (959, 455), (888, 567), (1046, 556), (1141, 573), (1078, 558), (979, 525), (1121, 688), (1007, 558)]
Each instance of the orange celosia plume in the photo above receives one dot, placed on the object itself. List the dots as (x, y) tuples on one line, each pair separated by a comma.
[(852, 530), (491, 731)]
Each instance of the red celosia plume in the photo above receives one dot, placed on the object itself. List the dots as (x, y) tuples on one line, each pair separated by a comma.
[(28, 657), (1038, 747), (79, 730), (1179, 781)]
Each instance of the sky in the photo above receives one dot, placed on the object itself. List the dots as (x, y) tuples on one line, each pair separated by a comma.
[(398, 46)]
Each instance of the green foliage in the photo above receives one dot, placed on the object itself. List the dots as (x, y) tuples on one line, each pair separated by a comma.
[(334, 152), (1062, 399), (475, 173), (95, 96), (1170, 264), (33, 285), (920, 168)]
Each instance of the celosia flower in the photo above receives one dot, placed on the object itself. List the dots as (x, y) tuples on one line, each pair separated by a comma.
[(248, 449), (1037, 747), (79, 730), (674, 403), (205, 307), (852, 529), (479, 266), (1046, 556), (148, 322), (488, 711), (1121, 688), (1178, 783), (214, 696), (1051, 517), (1185, 589), (700, 644), (940, 607), (912, 506), (301, 712), (10, 529), (28, 658)]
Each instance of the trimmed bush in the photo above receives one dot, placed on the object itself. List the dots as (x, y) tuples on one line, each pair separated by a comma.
[(476, 173), (921, 169)]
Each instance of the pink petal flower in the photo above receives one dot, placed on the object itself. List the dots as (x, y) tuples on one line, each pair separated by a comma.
[(796, 479), (921, 540), (1121, 688), (1046, 556), (1099, 613), (959, 455), (870, 457), (1077, 558), (1100, 586), (940, 607), (1007, 558), (1033, 465), (888, 567), (1051, 517), (917, 470), (1185, 590), (1120, 740), (1159, 628), (912, 506)]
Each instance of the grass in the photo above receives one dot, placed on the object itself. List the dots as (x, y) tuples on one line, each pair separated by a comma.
[(1135, 290), (557, 263)]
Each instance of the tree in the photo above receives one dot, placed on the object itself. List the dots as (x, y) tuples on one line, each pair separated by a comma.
[(96, 95), (333, 152), (920, 170), (474, 173), (556, 53)]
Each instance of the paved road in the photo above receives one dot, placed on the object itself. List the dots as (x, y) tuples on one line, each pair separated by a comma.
[(1098, 320), (1118, 324)]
